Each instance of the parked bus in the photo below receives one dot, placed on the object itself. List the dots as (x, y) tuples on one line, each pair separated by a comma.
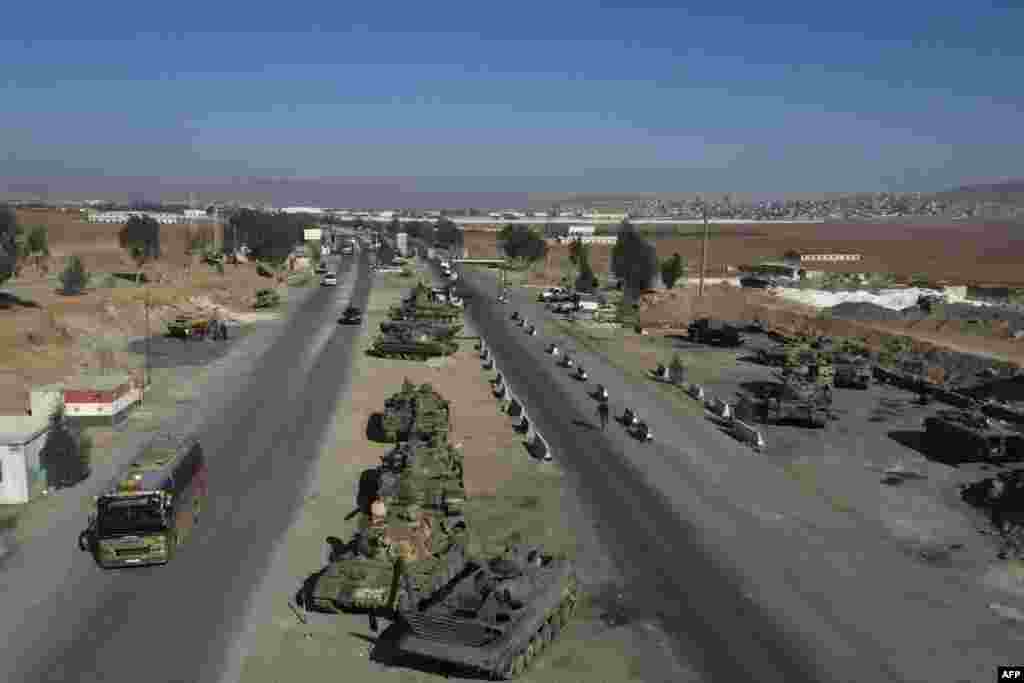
[(151, 507)]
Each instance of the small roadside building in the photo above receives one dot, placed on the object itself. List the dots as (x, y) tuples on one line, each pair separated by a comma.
[(99, 399), (22, 438)]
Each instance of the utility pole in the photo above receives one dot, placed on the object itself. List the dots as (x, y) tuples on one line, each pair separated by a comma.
[(703, 246), (146, 376)]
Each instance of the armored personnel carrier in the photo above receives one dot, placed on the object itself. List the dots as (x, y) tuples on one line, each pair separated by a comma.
[(401, 555), (496, 617), (714, 332), (416, 413), (971, 436), (427, 473), (852, 371), (791, 400), (409, 344)]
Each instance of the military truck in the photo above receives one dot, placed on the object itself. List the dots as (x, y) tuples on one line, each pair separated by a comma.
[(791, 400), (971, 436), (416, 413), (714, 332), (852, 371), (400, 554), (496, 617)]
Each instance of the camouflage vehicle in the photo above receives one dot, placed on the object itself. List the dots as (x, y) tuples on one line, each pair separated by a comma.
[(791, 400), (400, 555), (496, 617), (428, 473), (416, 413), (971, 436), (409, 344), (852, 371), (714, 332), (187, 327), (424, 304), (434, 329)]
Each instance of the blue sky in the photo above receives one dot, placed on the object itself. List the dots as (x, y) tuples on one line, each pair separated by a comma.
[(748, 97)]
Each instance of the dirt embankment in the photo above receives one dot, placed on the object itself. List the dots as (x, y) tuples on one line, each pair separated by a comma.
[(960, 252), (969, 252), (46, 337)]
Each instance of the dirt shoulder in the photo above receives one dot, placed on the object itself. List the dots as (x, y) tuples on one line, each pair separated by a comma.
[(512, 497), (46, 337)]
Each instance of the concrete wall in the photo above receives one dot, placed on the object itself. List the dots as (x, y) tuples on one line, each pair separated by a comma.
[(21, 476)]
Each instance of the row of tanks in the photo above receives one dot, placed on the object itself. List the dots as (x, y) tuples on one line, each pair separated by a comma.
[(423, 326), (409, 559)]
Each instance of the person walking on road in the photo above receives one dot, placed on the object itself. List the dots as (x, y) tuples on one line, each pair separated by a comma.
[(602, 413)]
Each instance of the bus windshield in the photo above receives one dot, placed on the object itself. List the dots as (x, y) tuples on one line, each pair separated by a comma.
[(130, 516)]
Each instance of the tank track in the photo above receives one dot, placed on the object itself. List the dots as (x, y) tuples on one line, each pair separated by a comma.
[(517, 663)]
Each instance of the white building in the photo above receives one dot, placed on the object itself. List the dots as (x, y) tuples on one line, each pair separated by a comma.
[(386, 214), (22, 438), (581, 230), (195, 213), (301, 209), (829, 258), (403, 243)]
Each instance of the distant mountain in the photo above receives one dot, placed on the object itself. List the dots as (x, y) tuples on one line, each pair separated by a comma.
[(1005, 192), (1004, 186)]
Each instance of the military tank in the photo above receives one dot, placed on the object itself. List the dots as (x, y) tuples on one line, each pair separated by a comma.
[(423, 304), (433, 328), (409, 344), (496, 617), (971, 436), (791, 400), (401, 554), (428, 473), (852, 371), (416, 413)]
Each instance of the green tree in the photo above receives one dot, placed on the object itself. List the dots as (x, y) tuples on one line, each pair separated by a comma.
[(672, 269), (269, 237), (9, 234), (140, 237), (634, 260), (579, 253), (74, 277), (519, 242), (66, 455), (37, 246), (447, 234)]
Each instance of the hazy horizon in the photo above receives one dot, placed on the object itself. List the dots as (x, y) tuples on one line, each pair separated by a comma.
[(468, 104)]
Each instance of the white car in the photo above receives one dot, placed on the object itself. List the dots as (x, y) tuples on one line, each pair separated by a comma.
[(329, 280)]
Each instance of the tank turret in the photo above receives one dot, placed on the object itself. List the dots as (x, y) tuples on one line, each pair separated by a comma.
[(497, 616)]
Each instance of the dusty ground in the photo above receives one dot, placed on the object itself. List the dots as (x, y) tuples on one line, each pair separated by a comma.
[(844, 463), (513, 498), (967, 252), (968, 245), (45, 336)]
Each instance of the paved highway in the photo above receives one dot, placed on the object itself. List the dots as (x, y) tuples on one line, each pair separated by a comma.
[(693, 521), (66, 620)]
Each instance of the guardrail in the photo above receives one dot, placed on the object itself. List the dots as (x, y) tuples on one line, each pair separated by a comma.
[(536, 444)]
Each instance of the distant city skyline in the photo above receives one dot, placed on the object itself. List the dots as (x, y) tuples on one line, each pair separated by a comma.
[(487, 104)]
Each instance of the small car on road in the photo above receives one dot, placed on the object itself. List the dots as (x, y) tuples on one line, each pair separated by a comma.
[(351, 316)]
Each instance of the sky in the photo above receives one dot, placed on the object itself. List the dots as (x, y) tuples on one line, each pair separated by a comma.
[(474, 97)]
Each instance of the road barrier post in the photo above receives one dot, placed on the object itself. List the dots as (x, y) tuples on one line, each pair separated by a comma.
[(748, 435)]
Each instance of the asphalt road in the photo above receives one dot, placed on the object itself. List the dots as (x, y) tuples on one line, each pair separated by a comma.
[(746, 592), (178, 622)]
